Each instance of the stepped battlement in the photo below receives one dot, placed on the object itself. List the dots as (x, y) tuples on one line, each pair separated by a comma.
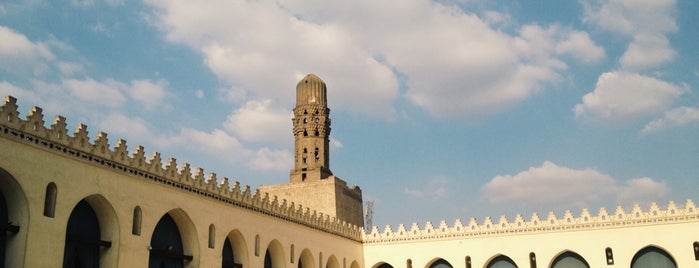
[(536, 224), (31, 131)]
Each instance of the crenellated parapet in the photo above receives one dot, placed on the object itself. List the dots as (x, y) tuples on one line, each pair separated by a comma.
[(55, 138), (536, 224)]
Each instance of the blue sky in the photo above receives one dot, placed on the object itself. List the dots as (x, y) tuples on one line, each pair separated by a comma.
[(440, 109)]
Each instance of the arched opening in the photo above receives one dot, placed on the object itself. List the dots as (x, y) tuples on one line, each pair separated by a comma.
[(83, 238), (468, 261), (696, 250), (15, 218), (166, 247), (6, 228), (212, 236), (235, 251), (50, 200), (306, 259), (332, 262), (354, 264), (532, 260), (569, 259), (653, 257), (440, 263), (274, 255), (501, 261), (383, 265), (136, 221)]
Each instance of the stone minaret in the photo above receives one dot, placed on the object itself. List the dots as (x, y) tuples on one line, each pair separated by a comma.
[(311, 131), (312, 184)]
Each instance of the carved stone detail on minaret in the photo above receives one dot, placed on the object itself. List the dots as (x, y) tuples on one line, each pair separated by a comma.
[(311, 128)]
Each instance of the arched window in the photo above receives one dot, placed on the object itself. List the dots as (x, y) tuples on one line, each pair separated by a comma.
[(212, 236), (532, 260), (696, 251), (50, 200), (166, 249), (257, 245), (291, 255), (82, 248), (441, 263), (268, 259), (136, 224), (501, 261), (385, 265), (652, 257), (228, 256), (569, 260), (409, 263)]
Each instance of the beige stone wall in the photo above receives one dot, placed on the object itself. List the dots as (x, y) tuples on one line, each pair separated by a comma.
[(28, 165), (674, 230), (329, 196)]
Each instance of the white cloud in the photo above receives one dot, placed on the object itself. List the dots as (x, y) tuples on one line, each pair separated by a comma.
[(454, 63), (261, 121), (580, 46), (622, 96), (554, 185), (199, 94), (147, 92), (677, 117), (217, 143), (107, 92), (19, 54), (632, 17), (70, 68), (436, 187), (269, 159), (647, 51), (646, 22), (119, 125)]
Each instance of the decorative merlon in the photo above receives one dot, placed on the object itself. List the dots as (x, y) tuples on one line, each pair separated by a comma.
[(31, 131), (552, 223)]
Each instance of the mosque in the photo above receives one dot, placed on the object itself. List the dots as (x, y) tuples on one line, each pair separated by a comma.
[(69, 201)]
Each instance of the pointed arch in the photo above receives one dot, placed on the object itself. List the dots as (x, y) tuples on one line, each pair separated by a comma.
[(174, 242), (354, 264), (439, 263), (274, 255), (235, 250), (306, 259), (83, 242), (332, 262), (16, 218), (501, 261), (569, 259), (382, 265), (653, 257)]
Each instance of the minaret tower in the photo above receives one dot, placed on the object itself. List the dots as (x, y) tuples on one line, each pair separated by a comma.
[(312, 185), (311, 128)]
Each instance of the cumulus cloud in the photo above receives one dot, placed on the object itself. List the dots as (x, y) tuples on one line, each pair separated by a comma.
[(147, 92), (647, 24), (580, 45), (551, 184), (454, 63), (261, 121), (677, 117), (270, 159), (435, 187), (620, 96), (107, 92), (19, 54)]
